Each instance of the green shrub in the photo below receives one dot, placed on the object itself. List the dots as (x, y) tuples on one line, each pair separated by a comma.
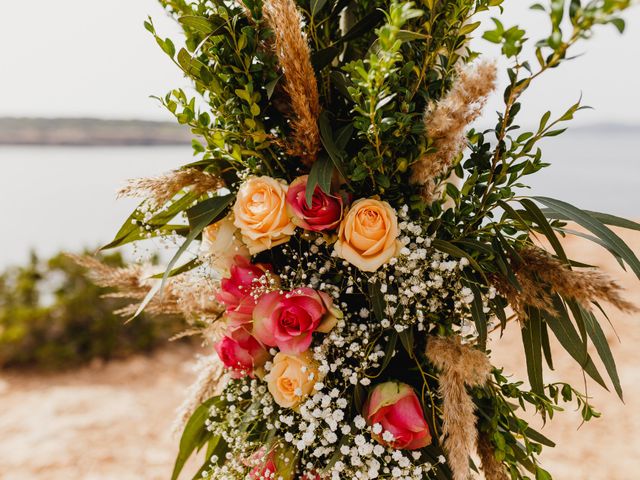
[(52, 316)]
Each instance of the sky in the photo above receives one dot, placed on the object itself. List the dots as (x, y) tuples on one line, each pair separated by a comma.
[(94, 58)]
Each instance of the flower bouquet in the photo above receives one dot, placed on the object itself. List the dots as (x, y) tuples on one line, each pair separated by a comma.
[(348, 243)]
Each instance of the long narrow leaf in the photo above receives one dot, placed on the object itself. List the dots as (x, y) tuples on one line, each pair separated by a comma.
[(546, 229), (135, 227), (532, 341), (597, 336), (326, 136), (595, 226), (200, 216), (319, 176), (596, 240), (194, 436), (479, 317), (562, 327), (546, 345), (457, 252), (605, 218)]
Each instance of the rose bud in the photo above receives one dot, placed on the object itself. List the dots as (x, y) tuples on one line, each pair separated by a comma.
[(397, 409), (324, 213), (241, 353), (288, 320), (236, 290)]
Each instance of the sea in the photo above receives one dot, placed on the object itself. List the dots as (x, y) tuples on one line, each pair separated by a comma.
[(64, 198)]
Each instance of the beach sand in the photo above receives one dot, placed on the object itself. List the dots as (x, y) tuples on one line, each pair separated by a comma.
[(113, 421)]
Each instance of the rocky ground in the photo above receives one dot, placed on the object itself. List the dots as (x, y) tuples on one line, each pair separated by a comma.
[(113, 421)]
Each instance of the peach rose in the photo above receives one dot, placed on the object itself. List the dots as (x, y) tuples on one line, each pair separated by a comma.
[(221, 243), (292, 378), (368, 236), (261, 214)]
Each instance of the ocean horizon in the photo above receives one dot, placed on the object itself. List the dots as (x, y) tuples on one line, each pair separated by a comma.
[(64, 198)]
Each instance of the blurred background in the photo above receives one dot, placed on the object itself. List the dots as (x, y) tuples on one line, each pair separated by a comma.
[(84, 396)]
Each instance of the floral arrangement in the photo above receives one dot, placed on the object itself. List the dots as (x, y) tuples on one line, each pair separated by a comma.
[(348, 244)]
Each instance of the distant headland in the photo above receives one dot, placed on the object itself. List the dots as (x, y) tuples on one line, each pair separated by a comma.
[(90, 132), (101, 132)]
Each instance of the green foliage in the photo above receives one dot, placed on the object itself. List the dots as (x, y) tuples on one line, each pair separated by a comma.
[(52, 316)]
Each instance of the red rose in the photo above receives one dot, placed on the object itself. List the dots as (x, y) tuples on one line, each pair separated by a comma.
[(397, 409), (276, 464), (265, 471), (324, 213)]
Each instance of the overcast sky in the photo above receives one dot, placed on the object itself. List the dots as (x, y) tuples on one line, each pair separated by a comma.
[(94, 58)]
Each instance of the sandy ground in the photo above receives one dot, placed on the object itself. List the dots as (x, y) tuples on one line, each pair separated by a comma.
[(114, 421), (110, 421)]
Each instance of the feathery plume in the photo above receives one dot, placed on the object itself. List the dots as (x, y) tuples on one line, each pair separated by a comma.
[(300, 82), (209, 382), (124, 279), (159, 190), (461, 366), (188, 295), (491, 467), (539, 274), (446, 122)]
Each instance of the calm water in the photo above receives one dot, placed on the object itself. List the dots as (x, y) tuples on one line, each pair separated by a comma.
[(54, 199), (64, 198)]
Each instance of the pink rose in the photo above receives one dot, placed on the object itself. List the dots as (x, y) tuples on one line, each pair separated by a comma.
[(236, 291), (324, 213), (241, 353), (396, 407), (287, 320)]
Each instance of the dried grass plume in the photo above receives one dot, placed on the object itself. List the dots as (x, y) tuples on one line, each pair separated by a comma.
[(159, 190), (447, 120), (187, 295), (461, 366), (210, 381), (540, 275), (300, 82), (491, 467)]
